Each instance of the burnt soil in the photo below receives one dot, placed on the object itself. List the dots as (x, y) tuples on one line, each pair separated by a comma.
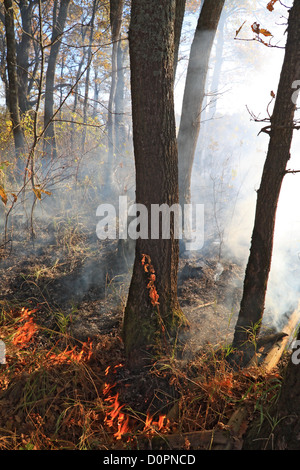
[(69, 275)]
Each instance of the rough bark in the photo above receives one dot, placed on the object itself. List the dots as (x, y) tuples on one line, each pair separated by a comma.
[(278, 155), (194, 93), (59, 21), (13, 97), (148, 329)]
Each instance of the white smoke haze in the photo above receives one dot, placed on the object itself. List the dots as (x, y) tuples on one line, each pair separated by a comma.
[(227, 169), (231, 154)]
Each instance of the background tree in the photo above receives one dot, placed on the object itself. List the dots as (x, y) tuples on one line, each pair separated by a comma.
[(179, 17), (116, 15), (23, 53), (60, 11), (13, 91), (87, 75), (146, 324), (194, 93)]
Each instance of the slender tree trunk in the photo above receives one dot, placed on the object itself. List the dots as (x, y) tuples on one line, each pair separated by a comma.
[(120, 100), (87, 77), (217, 67), (59, 21), (194, 93), (23, 50), (180, 10), (13, 94), (78, 74), (149, 328), (96, 92), (278, 155), (116, 14)]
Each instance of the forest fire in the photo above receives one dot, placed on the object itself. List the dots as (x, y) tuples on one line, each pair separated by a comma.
[(116, 416), (149, 244), (161, 424), (69, 355), (27, 330)]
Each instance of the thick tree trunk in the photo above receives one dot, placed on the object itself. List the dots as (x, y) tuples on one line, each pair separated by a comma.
[(13, 95), (59, 21), (149, 328), (194, 93), (281, 133)]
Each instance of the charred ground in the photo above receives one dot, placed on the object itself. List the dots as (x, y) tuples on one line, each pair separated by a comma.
[(56, 393)]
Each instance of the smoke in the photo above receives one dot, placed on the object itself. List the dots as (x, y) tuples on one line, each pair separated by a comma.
[(231, 153), (226, 174)]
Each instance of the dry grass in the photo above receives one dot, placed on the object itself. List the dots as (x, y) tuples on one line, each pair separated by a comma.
[(56, 393)]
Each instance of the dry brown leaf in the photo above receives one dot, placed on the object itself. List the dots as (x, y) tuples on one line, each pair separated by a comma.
[(46, 192), (265, 32), (3, 195), (255, 28), (37, 192), (270, 5)]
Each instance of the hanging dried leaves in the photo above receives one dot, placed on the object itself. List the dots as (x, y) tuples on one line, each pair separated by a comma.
[(38, 191), (265, 32), (270, 5), (257, 30)]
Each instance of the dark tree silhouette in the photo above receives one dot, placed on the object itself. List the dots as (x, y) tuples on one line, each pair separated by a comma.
[(150, 328)]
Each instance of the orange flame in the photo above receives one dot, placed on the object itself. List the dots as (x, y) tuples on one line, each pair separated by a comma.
[(71, 355), (122, 426), (151, 425), (115, 411), (26, 331), (160, 422), (148, 422), (146, 262), (115, 417)]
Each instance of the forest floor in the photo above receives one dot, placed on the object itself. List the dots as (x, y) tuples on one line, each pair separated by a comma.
[(65, 384)]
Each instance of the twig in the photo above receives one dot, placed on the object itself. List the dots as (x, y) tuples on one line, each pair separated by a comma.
[(202, 306)]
